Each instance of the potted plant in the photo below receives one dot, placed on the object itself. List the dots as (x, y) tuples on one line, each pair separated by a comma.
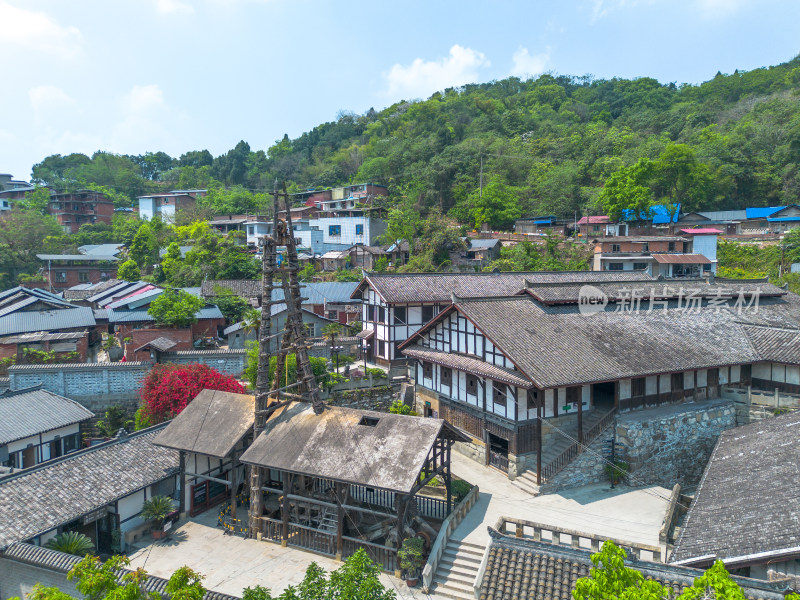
[(155, 510), (411, 559)]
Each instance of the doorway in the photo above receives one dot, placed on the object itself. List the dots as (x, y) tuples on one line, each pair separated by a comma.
[(497, 448), (603, 395)]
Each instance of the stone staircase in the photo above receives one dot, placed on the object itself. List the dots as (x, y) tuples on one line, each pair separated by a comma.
[(554, 445), (457, 570)]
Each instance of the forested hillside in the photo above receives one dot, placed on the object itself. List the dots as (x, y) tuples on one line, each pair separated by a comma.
[(548, 147)]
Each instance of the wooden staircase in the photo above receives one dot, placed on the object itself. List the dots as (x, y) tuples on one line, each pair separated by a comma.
[(561, 449)]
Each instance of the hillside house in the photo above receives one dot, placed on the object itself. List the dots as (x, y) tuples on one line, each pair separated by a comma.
[(659, 256), (166, 205), (479, 252), (73, 209), (499, 367), (93, 264)]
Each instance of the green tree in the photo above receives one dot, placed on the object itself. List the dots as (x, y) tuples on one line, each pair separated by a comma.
[(129, 271), (175, 308), (37, 200), (144, 248), (21, 236), (498, 205), (357, 579), (99, 580), (318, 366), (628, 190), (115, 418), (171, 262), (233, 307)]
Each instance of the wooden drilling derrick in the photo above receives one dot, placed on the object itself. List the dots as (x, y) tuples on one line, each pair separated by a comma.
[(294, 340)]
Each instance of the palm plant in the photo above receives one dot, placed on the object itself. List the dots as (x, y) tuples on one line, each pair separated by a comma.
[(251, 321), (156, 509), (71, 542)]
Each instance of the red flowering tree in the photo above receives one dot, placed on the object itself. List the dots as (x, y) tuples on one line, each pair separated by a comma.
[(168, 388)]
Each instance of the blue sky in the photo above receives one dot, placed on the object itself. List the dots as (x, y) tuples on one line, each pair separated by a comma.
[(131, 76)]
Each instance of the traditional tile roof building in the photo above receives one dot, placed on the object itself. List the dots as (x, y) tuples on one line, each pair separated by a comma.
[(93, 490), (746, 510), (397, 305), (523, 568), (37, 425), (496, 367)]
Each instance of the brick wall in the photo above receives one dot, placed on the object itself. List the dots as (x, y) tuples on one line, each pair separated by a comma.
[(139, 337), (231, 362)]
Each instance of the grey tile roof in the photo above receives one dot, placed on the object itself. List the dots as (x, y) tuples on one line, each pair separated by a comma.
[(437, 287), (467, 364), (61, 366), (247, 288), (390, 454), (33, 411), (316, 293), (46, 320), (525, 569), (748, 501), (569, 293), (42, 336), (774, 344), (162, 344), (102, 249), (61, 562), (212, 423), (558, 349), (39, 499)]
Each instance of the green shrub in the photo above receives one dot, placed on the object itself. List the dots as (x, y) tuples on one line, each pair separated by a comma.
[(460, 488), (616, 472)]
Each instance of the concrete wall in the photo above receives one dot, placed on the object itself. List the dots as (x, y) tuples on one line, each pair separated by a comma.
[(17, 579)]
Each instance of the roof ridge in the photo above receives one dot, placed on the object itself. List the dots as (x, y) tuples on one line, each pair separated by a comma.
[(84, 452), (33, 388)]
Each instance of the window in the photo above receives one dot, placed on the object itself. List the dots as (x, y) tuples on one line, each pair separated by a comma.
[(639, 266), (61, 276), (370, 313), (400, 315), (56, 206), (447, 375), (595, 228), (333, 314), (311, 329), (671, 246), (369, 421), (83, 276), (250, 230), (472, 385), (381, 348), (499, 396), (359, 229), (381, 314), (427, 370), (334, 230), (427, 313), (637, 387), (615, 247), (646, 247), (615, 266)]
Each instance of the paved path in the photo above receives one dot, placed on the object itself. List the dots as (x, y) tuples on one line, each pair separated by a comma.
[(231, 563), (629, 514)]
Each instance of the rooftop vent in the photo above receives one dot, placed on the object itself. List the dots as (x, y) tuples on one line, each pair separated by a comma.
[(369, 421)]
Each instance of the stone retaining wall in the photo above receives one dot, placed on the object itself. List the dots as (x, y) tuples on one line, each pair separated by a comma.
[(376, 398), (663, 446)]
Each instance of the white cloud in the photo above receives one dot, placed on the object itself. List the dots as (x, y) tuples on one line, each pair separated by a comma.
[(174, 7), (48, 97), (527, 65), (601, 8), (421, 78), (146, 121), (37, 31), (143, 98)]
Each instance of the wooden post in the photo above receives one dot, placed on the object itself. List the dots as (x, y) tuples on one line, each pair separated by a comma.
[(234, 483), (448, 480), (340, 491), (539, 435), (287, 487), (182, 481), (580, 414)]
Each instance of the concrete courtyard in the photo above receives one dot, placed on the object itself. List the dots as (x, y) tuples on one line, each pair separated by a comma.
[(231, 563)]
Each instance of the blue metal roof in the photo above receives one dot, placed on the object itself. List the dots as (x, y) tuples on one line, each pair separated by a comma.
[(658, 213), (140, 314), (780, 219), (46, 320), (762, 211)]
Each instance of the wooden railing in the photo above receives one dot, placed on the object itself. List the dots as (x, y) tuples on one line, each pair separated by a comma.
[(271, 529), (383, 556), (498, 461), (527, 529), (570, 452), (312, 539), (434, 508)]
